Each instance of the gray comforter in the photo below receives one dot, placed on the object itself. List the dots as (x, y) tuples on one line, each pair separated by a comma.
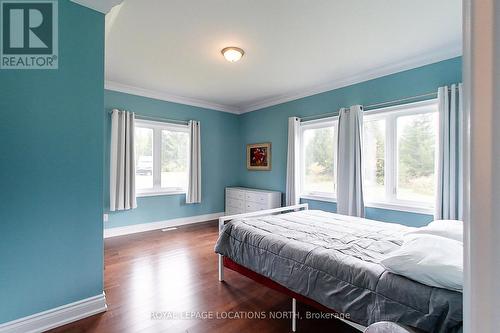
[(334, 260)]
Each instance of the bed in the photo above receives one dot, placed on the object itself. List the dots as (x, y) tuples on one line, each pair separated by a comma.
[(334, 261)]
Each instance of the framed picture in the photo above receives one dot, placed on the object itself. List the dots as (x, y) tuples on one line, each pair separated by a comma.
[(259, 156)]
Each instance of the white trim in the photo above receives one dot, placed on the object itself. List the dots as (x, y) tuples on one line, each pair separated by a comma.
[(157, 128), (132, 229), (326, 122), (140, 122), (379, 205), (164, 96), (426, 59), (469, 321), (56, 317), (320, 121), (390, 116), (400, 207), (159, 193), (482, 180), (103, 6), (318, 198)]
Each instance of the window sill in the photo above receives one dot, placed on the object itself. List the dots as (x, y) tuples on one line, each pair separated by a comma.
[(380, 205), (318, 198), (159, 193), (400, 207)]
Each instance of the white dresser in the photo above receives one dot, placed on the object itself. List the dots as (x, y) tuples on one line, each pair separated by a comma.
[(244, 200)]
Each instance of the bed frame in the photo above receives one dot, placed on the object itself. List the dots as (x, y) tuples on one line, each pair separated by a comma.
[(228, 263)]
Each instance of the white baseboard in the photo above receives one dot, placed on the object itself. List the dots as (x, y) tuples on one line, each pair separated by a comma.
[(46, 320), (132, 229)]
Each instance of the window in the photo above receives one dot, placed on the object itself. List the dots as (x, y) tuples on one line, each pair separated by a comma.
[(374, 158), (143, 158), (161, 158), (399, 155), (318, 158)]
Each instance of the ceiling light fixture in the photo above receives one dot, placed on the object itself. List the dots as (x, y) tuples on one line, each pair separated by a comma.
[(232, 53)]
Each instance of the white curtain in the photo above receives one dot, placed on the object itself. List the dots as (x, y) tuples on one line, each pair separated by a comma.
[(194, 183), (349, 169), (292, 162), (449, 194), (122, 163)]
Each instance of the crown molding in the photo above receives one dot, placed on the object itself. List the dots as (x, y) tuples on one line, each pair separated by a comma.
[(412, 63), (116, 86), (103, 6)]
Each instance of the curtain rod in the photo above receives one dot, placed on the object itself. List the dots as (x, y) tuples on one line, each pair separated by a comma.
[(165, 120), (161, 119), (371, 106)]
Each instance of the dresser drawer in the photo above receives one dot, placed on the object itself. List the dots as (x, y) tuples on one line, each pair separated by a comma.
[(257, 197), (235, 194), (253, 207), (240, 200), (234, 211), (235, 203)]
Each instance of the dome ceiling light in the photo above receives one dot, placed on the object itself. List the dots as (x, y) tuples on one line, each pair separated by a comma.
[(232, 53)]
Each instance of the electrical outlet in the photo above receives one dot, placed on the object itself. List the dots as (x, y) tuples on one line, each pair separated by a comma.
[(105, 217)]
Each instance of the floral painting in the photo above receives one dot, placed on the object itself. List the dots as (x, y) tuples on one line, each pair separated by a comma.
[(259, 156)]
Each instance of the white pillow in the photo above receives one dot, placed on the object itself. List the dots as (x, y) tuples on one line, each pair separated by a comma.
[(452, 229), (431, 260)]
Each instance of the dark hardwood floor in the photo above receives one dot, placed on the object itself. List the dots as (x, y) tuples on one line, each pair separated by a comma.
[(173, 275)]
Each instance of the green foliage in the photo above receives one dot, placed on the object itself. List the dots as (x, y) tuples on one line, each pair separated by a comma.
[(143, 142), (416, 150), (319, 152), (375, 132), (380, 173), (174, 146)]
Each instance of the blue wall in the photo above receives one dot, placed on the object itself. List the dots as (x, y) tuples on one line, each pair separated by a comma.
[(270, 124), (220, 158), (385, 215), (55, 134), (233, 132), (51, 158)]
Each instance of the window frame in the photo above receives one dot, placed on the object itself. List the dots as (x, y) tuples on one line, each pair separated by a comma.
[(391, 172), (316, 124), (158, 127)]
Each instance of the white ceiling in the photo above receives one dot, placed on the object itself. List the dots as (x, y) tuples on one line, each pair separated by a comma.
[(294, 48)]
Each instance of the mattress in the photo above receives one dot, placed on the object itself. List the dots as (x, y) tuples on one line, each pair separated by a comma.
[(335, 260)]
